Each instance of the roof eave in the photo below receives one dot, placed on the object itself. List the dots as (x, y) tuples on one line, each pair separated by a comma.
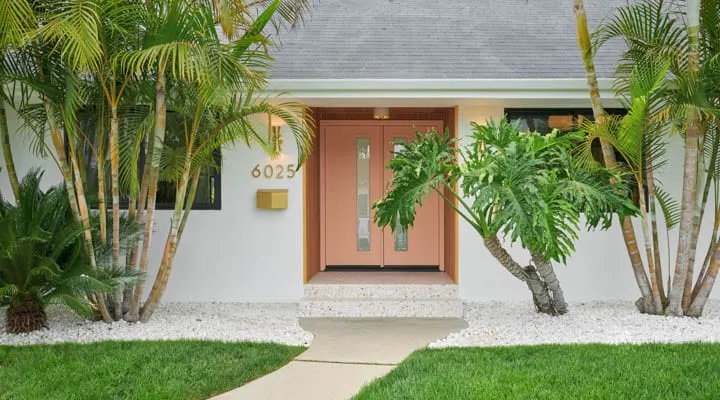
[(570, 88)]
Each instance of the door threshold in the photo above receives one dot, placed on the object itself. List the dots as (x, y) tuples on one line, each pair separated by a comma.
[(381, 277), (386, 268)]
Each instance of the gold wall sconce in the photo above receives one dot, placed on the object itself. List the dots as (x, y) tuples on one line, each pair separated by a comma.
[(381, 113), (275, 139)]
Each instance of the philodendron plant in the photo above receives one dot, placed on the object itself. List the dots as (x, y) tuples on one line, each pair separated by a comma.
[(524, 187)]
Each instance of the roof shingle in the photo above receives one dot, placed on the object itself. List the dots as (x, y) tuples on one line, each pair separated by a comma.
[(431, 39)]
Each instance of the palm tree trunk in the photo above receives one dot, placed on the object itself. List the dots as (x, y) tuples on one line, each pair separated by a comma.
[(189, 202), (690, 292), (698, 304), (85, 220), (547, 274), (76, 196), (689, 194), (7, 152), (628, 230), (714, 241), (541, 296), (102, 206), (650, 176), (115, 188), (153, 176), (710, 181), (173, 239), (649, 253), (138, 208)]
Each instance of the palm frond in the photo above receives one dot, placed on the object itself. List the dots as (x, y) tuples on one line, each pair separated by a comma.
[(75, 26), (669, 206), (17, 19)]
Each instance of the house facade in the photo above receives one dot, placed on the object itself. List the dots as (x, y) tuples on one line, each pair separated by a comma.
[(372, 72)]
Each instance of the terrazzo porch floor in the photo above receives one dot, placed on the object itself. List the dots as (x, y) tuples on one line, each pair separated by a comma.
[(345, 355)]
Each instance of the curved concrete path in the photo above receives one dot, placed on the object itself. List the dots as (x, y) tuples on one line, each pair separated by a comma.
[(345, 355)]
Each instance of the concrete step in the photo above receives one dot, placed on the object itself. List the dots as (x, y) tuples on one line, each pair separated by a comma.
[(375, 291), (381, 300), (379, 307)]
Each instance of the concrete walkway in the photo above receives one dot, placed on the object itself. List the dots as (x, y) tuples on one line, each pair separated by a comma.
[(344, 356)]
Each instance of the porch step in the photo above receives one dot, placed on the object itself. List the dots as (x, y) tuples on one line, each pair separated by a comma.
[(392, 301), (381, 291)]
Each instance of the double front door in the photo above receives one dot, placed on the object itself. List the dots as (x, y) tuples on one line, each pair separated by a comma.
[(353, 177)]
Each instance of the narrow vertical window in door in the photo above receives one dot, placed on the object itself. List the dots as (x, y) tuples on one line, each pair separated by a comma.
[(362, 152), (401, 235)]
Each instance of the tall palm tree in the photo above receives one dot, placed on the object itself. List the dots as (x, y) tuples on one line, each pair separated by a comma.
[(97, 57), (609, 159), (217, 108), (682, 35)]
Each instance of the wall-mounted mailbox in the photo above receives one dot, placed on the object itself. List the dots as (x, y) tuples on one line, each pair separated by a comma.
[(272, 199)]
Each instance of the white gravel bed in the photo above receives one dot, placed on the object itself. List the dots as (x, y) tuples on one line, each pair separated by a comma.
[(516, 323), (229, 322)]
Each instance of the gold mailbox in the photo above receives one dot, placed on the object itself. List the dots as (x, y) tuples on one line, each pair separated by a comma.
[(272, 199)]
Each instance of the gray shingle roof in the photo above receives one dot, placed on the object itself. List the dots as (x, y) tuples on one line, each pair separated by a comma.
[(440, 39)]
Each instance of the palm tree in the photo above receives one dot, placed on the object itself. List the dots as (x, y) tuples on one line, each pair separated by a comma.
[(641, 143), (43, 259), (217, 108), (97, 58), (17, 19), (682, 35), (523, 186), (628, 229)]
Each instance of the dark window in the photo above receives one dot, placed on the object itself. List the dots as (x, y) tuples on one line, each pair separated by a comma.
[(208, 192), (565, 120), (544, 120)]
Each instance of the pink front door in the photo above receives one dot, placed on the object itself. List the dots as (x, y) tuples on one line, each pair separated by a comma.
[(354, 176)]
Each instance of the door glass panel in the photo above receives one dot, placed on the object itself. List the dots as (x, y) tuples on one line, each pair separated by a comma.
[(362, 154), (401, 235)]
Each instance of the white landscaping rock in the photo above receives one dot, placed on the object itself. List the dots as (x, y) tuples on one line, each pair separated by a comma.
[(516, 323), (228, 322)]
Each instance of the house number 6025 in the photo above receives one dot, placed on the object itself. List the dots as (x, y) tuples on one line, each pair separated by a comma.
[(278, 171)]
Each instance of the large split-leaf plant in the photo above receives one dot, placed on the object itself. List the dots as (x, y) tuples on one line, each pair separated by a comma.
[(521, 186)]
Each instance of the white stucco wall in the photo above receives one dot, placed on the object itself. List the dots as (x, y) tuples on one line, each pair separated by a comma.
[(241, 253), (238, 253)]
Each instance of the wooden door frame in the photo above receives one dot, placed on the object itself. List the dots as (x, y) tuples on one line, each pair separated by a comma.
[(312, 186), (323, 167)]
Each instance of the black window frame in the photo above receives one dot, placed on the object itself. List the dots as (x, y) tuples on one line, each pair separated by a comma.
[(516, 111), (215, 205), (575, 111), (547, 112)]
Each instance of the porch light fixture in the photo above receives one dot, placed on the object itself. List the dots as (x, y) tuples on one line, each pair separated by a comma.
[(381, 113), (274, 136)]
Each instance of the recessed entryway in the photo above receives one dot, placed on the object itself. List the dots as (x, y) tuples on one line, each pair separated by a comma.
[(346, 173)]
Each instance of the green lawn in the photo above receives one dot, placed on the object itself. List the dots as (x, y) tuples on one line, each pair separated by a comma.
[(688, 371), (135, 370)]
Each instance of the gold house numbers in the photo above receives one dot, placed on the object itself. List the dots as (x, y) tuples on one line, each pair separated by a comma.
[(274, 171)]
